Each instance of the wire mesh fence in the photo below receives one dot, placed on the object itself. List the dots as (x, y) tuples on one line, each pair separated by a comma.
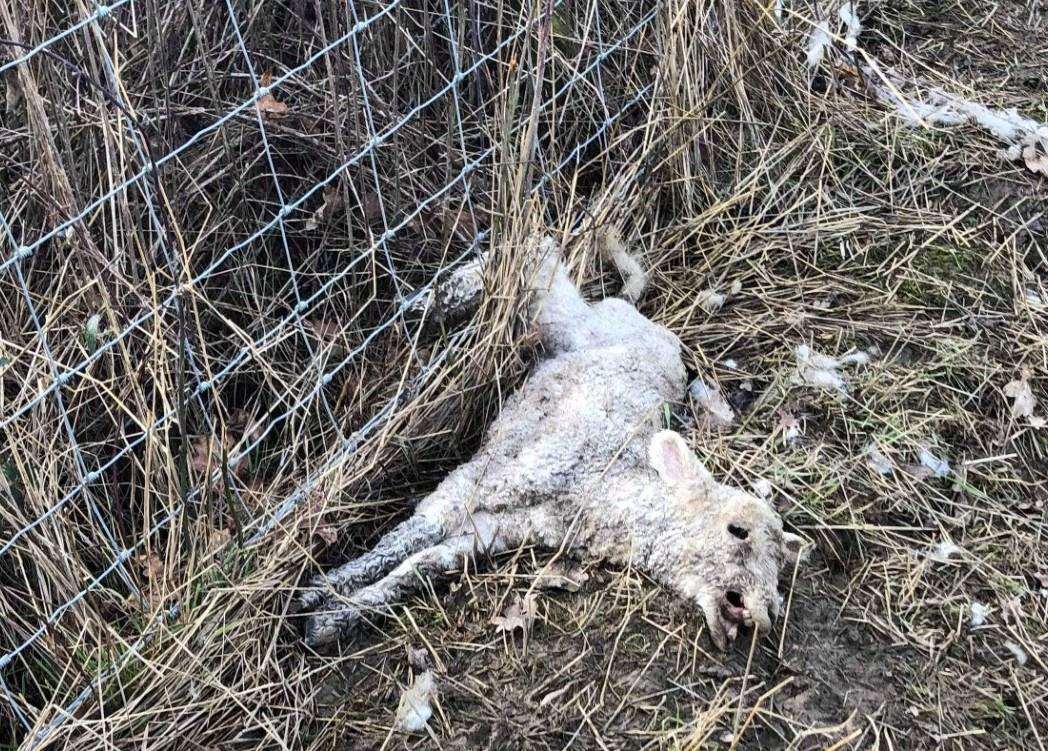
[(217, 222)]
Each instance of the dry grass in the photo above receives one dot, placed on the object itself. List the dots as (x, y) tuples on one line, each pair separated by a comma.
[(844, 229)]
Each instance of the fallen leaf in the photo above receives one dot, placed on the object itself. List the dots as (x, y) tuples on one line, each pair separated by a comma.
[(458, 220), (519, 614), (790, 427), (418, 658), (1023, 400), (328, 209), (219, 538), (155, 575), (560, 576), (328, 533), (415, 707), (151, 566), (13, 96), (207, 452), (267, 103), (324, 329)]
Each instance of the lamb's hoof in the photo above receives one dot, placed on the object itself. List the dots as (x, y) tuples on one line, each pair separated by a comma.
[(308, 600), (325, 628)]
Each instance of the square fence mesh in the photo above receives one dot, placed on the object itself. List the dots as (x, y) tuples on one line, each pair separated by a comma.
[(215, 220)]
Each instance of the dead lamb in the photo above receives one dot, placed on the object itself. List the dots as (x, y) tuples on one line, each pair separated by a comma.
[(576, 461)]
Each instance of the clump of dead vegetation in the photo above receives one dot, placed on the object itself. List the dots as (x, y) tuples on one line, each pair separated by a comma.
[(236, 328)]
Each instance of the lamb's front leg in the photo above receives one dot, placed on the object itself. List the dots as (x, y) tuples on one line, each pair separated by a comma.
[(439, 513), (406, 538), (340, 615)]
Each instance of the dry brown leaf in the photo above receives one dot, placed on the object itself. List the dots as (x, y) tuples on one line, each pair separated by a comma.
[(328, 209), (267, 103), (207, 455), (155, 574), (1023, 400), (789, 426), (328, 533), (324, 329), (418, 658), (219, 538), (519, 614), (458, 220), (151, 566), (13, 96), (1036, 162)]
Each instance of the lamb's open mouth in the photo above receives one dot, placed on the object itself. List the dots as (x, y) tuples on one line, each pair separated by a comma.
[(733, 608)]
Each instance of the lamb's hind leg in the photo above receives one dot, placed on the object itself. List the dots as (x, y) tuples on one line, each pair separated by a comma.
[(340, 615), (444, 509), (564, 318), (406, 538), (634, 278)]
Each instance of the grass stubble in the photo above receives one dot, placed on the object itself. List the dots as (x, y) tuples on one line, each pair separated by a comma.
[(839, 227)]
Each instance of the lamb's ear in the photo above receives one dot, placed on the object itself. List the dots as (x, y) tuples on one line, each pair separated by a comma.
[(674, 461), (795, 548)]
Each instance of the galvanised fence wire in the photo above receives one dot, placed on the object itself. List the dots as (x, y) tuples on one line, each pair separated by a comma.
[(216, 220)]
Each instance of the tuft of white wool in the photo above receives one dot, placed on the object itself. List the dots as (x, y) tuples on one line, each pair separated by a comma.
[(415, 706), (979, 611), (712, 402), (938, 466), (880, 463), (945, 552), (762, 488), (819, 41), (1013, 153), (710, 301), (1021, 137), (820, 370), (850, 18), (1017, 652)]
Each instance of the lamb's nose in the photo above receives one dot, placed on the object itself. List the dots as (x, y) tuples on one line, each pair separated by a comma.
[(757, 613)]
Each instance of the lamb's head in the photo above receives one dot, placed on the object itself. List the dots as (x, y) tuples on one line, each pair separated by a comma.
[(731, 547)]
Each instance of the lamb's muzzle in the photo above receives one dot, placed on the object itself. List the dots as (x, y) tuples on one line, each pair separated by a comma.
[(576, 461)]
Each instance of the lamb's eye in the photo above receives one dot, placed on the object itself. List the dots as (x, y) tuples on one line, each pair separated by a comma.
[(736, 531)]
